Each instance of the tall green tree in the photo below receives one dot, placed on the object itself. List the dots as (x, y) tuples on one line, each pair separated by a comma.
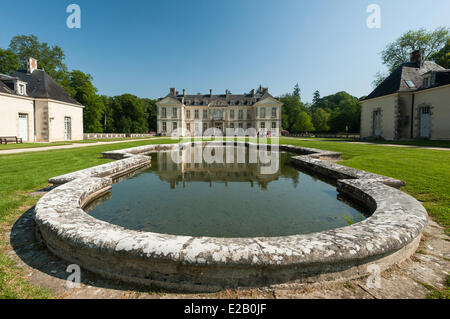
[(149, 106), (399, 51), (9, 62), (320, 120), (82, 90), (442, 57), (129, 114), (297, 92), (50, 58), (316, 97), (303, 123)]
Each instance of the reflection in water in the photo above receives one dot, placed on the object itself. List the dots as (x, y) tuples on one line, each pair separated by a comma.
[(226, 171), (224, 200)]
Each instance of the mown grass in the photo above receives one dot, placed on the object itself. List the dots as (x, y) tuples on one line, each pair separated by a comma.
[(36, 145), (21, 174), (426, 172)]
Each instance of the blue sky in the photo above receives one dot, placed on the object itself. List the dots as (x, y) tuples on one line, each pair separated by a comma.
[(145, 47)]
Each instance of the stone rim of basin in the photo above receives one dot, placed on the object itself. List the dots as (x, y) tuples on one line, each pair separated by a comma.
[(385, 238)]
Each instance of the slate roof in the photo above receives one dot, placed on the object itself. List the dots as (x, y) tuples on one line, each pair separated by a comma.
[(397, 80), (220, 99), (41, 85), (4, 88)]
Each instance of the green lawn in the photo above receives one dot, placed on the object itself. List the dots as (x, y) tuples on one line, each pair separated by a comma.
[(426, 172), (33, 145)]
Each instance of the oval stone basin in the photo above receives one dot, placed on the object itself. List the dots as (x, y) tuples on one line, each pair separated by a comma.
[(228, 199)]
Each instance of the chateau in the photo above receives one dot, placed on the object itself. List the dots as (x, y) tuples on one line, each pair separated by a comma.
[(195, 114)]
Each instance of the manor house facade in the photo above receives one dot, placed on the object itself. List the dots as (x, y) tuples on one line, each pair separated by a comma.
[(195, 114)]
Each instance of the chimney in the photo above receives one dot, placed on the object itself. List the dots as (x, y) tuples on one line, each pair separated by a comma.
[(418, 57), (264, 90), (210, 92), (226, 92), (31, 65), (184, 92), (172, 91), (252, 92)]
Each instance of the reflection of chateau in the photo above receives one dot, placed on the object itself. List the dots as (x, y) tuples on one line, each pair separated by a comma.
[(190, 171)]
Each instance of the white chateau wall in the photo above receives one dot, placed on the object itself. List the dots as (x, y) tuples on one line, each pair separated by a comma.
[(10, 107), (57, 111)]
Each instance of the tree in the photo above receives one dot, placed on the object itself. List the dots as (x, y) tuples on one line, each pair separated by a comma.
[(129, 114), (399, 51), (379, 78), (9, 62), (442, 57), (50, 58), (316, 97), (303, 123), (150, 108), (82, 90), (297, 92), (320, 120)]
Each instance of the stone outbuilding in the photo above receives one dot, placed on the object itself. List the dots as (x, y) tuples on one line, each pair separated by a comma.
[(413, 102), (37, 109)]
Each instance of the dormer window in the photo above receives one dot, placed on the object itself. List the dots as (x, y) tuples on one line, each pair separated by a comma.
[(410, 84), (20, 87)]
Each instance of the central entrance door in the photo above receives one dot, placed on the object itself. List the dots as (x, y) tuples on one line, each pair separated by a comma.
[(219, 126)]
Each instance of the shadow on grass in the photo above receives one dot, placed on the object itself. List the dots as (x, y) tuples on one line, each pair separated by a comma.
[(32, 251)]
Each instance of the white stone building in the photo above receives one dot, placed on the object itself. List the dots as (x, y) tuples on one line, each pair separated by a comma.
[(412, 102), (195, 114), (35, 108)]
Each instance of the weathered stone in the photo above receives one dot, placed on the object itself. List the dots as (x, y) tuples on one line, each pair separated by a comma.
[(388, 237)]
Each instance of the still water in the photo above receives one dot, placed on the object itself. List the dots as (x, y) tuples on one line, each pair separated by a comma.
[(224, 200)]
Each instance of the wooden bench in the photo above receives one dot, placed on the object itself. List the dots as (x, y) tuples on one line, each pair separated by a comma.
[(10, 139)]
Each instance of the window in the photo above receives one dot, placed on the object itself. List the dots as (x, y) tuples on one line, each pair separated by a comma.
[(263, 112), (263, 125), (410, 84), (241, 125), (232, 125), (164, 128), (241, 114), (196, 114), (164, 112), (205, 126), (425, 110), (274, 112), (205, 114), (248, 126), (174, 112), (174, 126), (188, 127), (232, 114), (21, 89), (274, 124), (249, 114), (188, 114)]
